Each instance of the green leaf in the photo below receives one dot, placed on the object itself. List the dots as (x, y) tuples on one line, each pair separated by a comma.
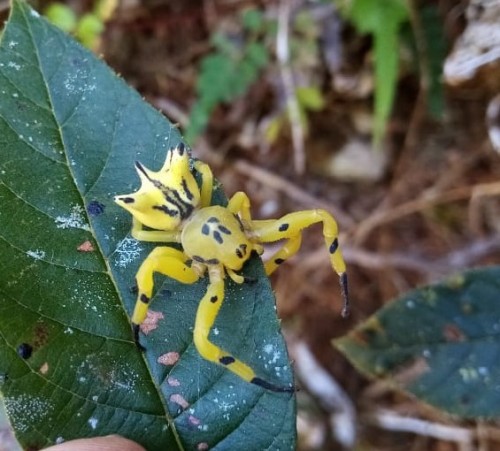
[(440, 342), (382, 19), (253, 19), (70, 131), (310, 98), (62, 16)]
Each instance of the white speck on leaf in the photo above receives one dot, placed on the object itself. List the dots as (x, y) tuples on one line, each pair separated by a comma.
[(93, 422), (27, 411), (37, 254), (75, 220), (14, 65), (127, 250)]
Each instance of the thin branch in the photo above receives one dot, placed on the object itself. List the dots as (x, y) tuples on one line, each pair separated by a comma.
[(392, 421), (414, 206), (283, 55), (327, 391)]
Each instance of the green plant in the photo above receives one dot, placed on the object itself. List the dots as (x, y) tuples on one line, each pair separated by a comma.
[(229, 71), (70, 132), (383, 20), (88, 28)]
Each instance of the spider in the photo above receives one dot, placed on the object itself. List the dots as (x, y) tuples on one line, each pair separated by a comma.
[(215, 240)]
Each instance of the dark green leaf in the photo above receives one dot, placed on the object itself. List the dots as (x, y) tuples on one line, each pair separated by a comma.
[(440, 343), (70, 131)]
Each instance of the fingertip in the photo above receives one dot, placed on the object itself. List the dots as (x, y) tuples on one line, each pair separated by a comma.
[(107, 443)]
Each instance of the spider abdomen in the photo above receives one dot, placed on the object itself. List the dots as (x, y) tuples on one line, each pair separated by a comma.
[(213, 235)]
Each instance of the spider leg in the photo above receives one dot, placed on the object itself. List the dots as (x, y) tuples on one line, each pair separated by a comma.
[(290, 227), (165, 260), (239, 204), (288, 249), (205, 318), (207, 182), (151, 236)]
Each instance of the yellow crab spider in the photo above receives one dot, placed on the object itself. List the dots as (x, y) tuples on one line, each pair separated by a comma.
[(215, 240)]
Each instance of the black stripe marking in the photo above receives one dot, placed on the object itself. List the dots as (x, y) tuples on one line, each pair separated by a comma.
[(279, 261), (127, 200), (181, 148), (283, 227), (205, 229), (214, 299), (212, 261), (334, 246), (227, 360), (239, 222), (140, 167), (239, 254), (166, 210), (213, 219), (144, 299), (198, 259), (268, 386), (185, 187), (175, 203)]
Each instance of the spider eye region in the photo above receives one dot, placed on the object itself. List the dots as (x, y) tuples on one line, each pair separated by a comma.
[(214, 235)]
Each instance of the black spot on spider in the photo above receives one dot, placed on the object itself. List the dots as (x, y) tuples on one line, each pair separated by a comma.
[(279, 261), (224, 230), (214, 299), (95, 208), (24, 350), (213, 219), (181, 148), (127, 200), (284, 227), (210, 261), (226, 360), (144, 299), (218, 237), (334, 246), (205, 229), (241, 251)]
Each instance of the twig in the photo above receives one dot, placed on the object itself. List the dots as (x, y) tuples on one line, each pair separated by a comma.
[(392, 421), (283, 55), (327, 391), (414, 206)]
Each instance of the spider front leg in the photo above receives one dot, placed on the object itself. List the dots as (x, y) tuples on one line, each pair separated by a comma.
[(207, 183), (153, 236), (205, 318), (165, 260), (290, 227)]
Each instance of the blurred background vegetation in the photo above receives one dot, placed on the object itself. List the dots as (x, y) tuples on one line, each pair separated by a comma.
[(384, 112)]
